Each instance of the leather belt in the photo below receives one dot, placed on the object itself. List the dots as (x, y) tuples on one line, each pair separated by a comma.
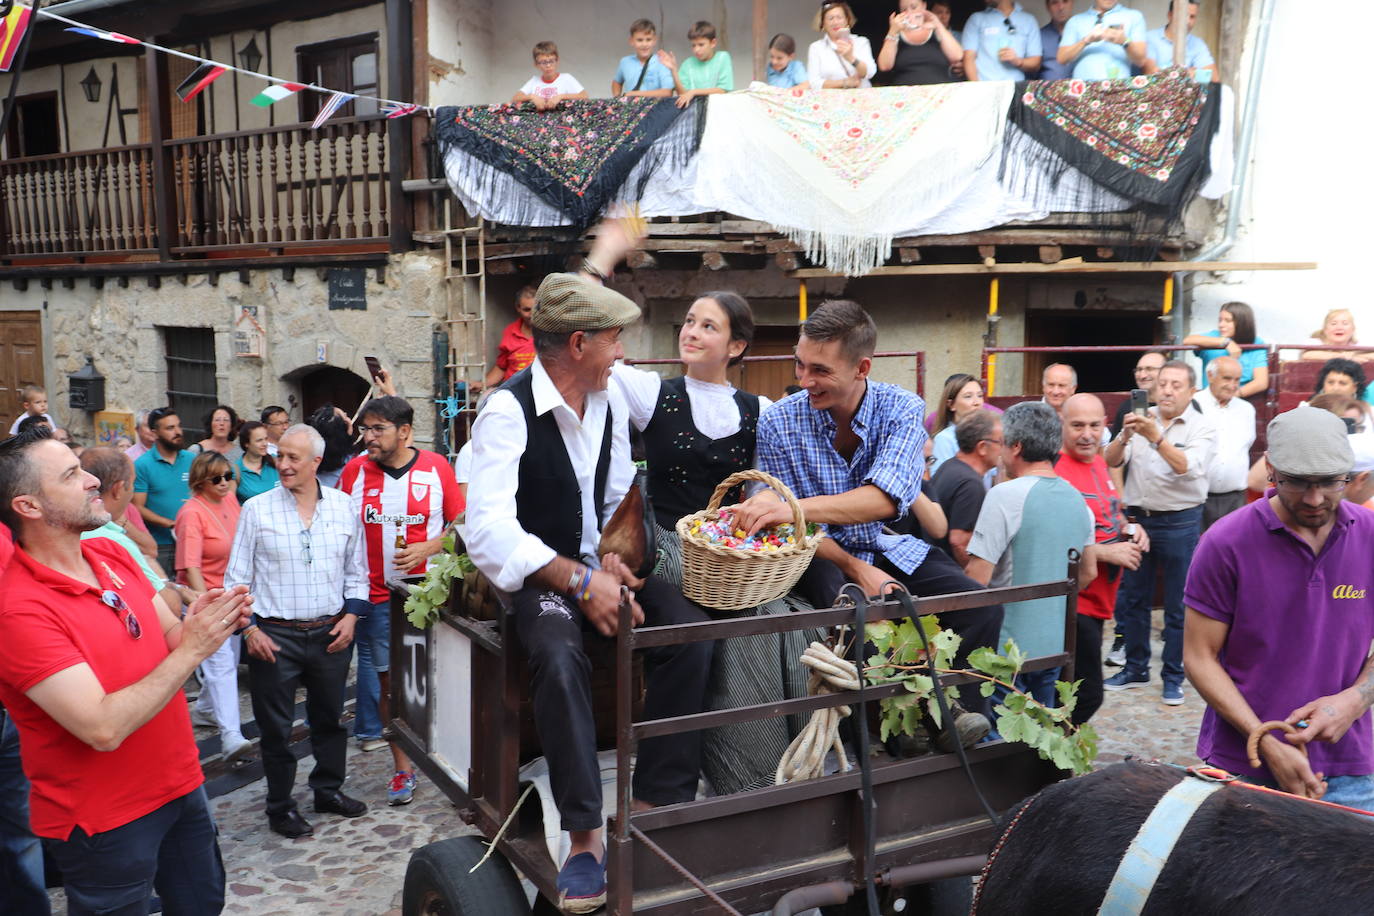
[(1142, 512), (301, 624)]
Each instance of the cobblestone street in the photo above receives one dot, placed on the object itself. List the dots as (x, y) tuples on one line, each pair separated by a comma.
[(356, 867)]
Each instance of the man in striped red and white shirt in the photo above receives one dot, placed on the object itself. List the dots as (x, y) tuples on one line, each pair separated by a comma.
[(406, 497)]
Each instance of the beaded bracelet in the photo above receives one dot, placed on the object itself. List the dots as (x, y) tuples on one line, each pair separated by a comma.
[(585, 589)]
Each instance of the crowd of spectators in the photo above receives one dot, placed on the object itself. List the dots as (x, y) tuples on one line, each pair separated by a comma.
[(1002, 42)]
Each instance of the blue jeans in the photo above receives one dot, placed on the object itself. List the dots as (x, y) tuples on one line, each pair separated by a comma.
[(1353, 791), (1172, 541), (373, 638), (21, 856), (174, 849), (1039, 685)]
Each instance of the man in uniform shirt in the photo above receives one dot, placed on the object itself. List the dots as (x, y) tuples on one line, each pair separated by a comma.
[(299, 547), (405, 497), (550, 464), (1234, 419), (1050, 35), (161, 485), (1197, 56), (1001, 42), (1104, 42), (1167, 453), (91, 670)]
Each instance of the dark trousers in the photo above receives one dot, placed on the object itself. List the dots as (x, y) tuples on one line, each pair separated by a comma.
[(1221, 504), (1172, 541), (301, 660), (551, 629), (173, 849), (22, 891), (1087, 667), (938, 574), (167, 558)]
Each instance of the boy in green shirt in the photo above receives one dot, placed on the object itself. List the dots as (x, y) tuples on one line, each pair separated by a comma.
[(706, 72)]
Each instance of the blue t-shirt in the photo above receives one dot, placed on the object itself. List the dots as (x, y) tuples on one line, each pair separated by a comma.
[(1050, 67), (656, 77), (251, 483), (1160, 49), (988, 32), (794, 74), (167, 484), (1249, 359), (1103, 60)]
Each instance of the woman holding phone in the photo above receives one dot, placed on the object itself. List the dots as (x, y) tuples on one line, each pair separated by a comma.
[(918, 49), (839, 59)]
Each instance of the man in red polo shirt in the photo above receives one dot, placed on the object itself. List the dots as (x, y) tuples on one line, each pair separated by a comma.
[(516, 350), (91, 668), (1082, 465)]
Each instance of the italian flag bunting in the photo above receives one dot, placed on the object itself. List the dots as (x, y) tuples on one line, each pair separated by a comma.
[(275, 93)]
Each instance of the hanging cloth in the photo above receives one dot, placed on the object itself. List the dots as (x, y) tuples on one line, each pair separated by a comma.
[(511, 164), (841, 172)]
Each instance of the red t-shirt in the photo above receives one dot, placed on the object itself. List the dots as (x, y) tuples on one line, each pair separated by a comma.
[(1093, 481), (417, 500), (51, 623), (6, 547), (516, 351)]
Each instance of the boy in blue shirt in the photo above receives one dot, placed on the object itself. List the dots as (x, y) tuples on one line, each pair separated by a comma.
[(642, 73), (784, 70)]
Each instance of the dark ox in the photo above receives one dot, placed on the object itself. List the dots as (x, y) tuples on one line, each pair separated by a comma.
[(1243, 853)]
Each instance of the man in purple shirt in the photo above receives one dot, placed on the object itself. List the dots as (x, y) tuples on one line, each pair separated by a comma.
[(1280, 601)]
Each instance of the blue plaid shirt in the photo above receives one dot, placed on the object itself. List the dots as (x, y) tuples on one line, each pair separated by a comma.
[(796, 444)]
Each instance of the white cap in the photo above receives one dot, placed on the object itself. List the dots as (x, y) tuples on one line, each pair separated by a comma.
[(1362, 444)]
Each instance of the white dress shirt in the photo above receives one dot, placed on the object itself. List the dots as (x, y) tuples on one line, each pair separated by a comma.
[(823, 62), (715, 414), (1152, 483), (497, 544), (295, 573), (1235, 425)]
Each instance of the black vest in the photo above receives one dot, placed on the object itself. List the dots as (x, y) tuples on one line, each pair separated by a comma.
[(548, 501), (685, 466)]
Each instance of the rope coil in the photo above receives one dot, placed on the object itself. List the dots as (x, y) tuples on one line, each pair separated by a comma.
[(805, 756)]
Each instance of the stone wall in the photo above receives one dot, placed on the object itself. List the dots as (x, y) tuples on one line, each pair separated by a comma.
[(120, 328)]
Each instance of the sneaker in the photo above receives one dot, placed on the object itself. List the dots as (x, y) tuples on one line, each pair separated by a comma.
[(1124, 680), (372, 744), (202, 719), (969, 727), (235, 749), (1117, 657), (1173, 695), (402, 788), (581, 884)]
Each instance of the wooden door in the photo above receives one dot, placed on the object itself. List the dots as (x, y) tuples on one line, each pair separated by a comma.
[(21, 362), (772, 377)]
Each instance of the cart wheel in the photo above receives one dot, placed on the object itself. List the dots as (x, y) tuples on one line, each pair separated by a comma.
[(438, 884)]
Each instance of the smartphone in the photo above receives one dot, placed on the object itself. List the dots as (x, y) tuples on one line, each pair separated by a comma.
[(1140, 402), (374, 366), (1349, 425)]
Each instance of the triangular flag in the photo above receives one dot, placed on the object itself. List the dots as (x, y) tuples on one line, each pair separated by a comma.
[(399, 109), (335, 101), (275, 93), (200, 77), (12, 29), (104, 35)]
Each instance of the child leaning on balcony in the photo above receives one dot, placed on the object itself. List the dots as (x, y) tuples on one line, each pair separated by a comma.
[(784, 70), (708, 71), (548, 87)]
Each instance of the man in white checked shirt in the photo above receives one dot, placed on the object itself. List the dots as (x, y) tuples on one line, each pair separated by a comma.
[(299, 548)]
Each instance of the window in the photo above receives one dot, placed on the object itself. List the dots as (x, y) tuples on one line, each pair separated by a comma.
[(345, 64), (192, 389), (33, 129)]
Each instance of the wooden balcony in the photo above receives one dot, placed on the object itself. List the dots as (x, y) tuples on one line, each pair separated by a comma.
[(259, 193)]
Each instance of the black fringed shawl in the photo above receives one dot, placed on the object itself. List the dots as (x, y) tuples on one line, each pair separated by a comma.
[(578, 157)]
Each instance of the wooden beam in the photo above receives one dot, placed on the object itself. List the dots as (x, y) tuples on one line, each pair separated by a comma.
[(1051, 254), (160, 122), (1065, 267), (400, 68), (788, 260), (641, 260), (715, 260), (760, 36), (909, 255)]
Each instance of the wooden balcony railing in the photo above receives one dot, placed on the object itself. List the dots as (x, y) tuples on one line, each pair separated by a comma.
[(282, 187), (78, 203)]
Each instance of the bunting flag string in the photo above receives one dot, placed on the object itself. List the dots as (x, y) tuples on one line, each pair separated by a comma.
[(206, 72)]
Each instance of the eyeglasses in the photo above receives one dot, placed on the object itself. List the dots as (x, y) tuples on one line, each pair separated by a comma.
[(1011, 29), (930, 461), (1145, 370), (376, 429), (1296, 486), (221, 478), (279, 423), (115, 602), (306, 556)]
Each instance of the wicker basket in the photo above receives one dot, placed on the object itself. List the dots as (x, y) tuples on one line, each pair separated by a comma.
[(729, 579)]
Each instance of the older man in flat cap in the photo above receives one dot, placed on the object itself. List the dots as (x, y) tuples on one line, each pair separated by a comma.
[(535, 533), (1280, 603)]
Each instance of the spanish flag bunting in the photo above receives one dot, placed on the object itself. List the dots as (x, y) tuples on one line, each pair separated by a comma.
[(200, 77), (275, 93), (11, 33), (104, 35)]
